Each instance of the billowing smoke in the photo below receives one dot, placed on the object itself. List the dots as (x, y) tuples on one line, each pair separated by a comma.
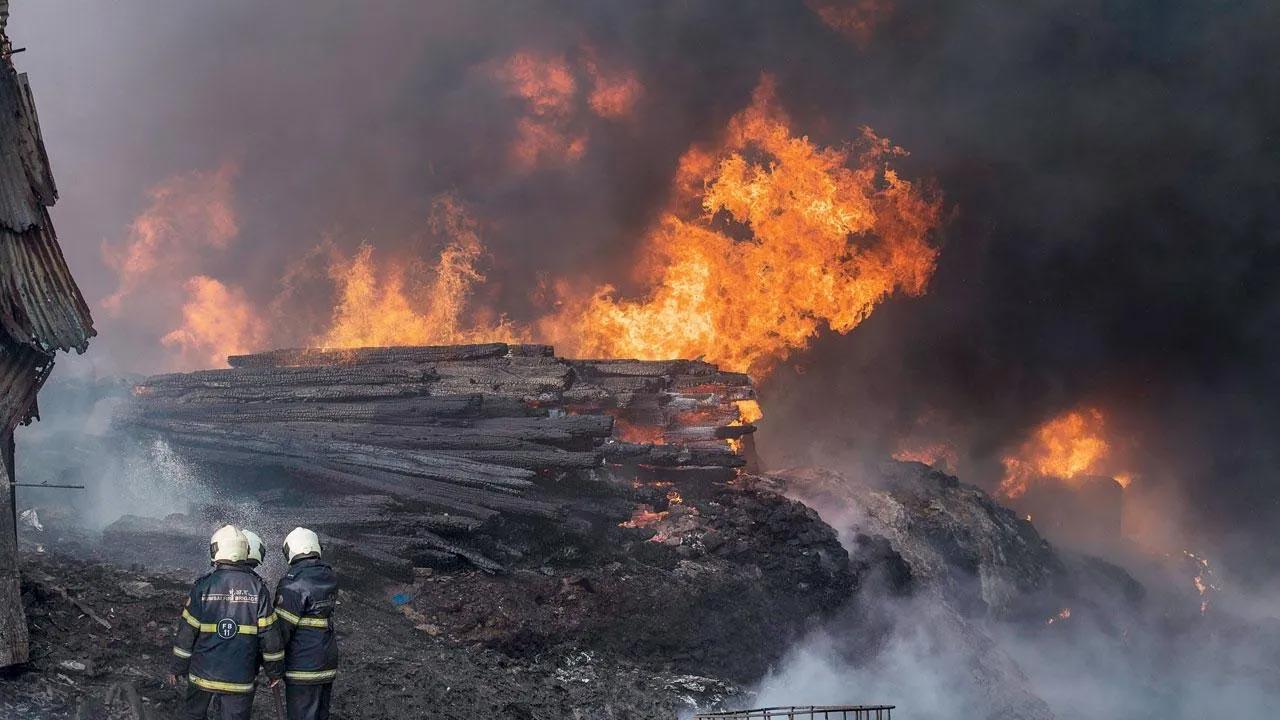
[(1108, 171)]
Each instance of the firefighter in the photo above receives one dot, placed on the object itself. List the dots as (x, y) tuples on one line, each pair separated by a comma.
[(252, 561), (305, 599), (227, 627)]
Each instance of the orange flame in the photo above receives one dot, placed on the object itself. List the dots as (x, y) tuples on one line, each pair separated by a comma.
[(217, 321), (937, 455), (188, 215), (410, 304), (613, 94), (826, 243), (855, 19), (748, 412), (1068, 447), (547, 87)]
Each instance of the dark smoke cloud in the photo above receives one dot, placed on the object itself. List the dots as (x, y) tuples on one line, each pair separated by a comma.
[(1111, 168)]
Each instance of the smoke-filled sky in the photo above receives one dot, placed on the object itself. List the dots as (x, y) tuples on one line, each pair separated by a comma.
[(1109, 172)]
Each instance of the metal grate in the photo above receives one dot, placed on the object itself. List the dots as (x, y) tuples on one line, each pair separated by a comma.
[(805, 712)]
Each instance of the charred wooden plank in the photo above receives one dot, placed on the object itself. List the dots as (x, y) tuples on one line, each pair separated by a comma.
[(530, 459), (407, 545), (309, 393), (385, 374), (399, 412), (532, 378), (365, 356), (672, 456)]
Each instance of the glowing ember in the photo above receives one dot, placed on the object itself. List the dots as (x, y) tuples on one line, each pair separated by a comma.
[(642, 517), (674, 497), (938, 455), (638, 433), (826, 243), (1069, 447), (1203, 580)]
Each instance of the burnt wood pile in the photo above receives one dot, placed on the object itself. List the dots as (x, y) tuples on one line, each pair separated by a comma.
[(421, 455)]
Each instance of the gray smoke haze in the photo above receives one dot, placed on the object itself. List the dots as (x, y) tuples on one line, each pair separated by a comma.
[(1115, 650), (1111, 172)]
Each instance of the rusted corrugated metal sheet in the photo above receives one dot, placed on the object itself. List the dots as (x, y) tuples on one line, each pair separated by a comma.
[(22, 373), (40, 304)]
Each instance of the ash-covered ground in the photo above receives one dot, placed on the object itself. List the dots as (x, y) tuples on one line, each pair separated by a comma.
[(686, 615), (946, 605)]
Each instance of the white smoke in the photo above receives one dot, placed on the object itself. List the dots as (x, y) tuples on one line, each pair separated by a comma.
[(1160, 658)]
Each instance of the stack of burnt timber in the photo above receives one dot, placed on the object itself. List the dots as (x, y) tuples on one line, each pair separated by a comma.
[(434, 445)]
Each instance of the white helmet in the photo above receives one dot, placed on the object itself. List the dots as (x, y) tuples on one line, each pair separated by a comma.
[(228, 545), (256, 548), (300, 543)]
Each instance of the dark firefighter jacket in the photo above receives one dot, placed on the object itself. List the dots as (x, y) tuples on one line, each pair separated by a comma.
[(227, 624), (305, 598)]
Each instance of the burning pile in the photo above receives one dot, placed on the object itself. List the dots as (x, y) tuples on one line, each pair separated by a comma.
[(767, 238)]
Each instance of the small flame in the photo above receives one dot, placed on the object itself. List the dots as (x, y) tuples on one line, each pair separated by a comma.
[(547, 87), (1063, 614), (674, 497), (855, 19), (1068, 447), (748, 412), (938, 455), (613, 93)]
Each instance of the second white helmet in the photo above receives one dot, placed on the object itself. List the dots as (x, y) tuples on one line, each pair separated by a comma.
[(256, 548), (299, 543), (228, 544)]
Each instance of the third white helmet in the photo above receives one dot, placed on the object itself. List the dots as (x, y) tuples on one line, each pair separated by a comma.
[(300, 542), (256, 548)]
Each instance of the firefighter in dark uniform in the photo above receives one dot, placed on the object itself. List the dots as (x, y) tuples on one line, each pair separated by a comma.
[(257, 551), (305, 599), (228, 627)]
